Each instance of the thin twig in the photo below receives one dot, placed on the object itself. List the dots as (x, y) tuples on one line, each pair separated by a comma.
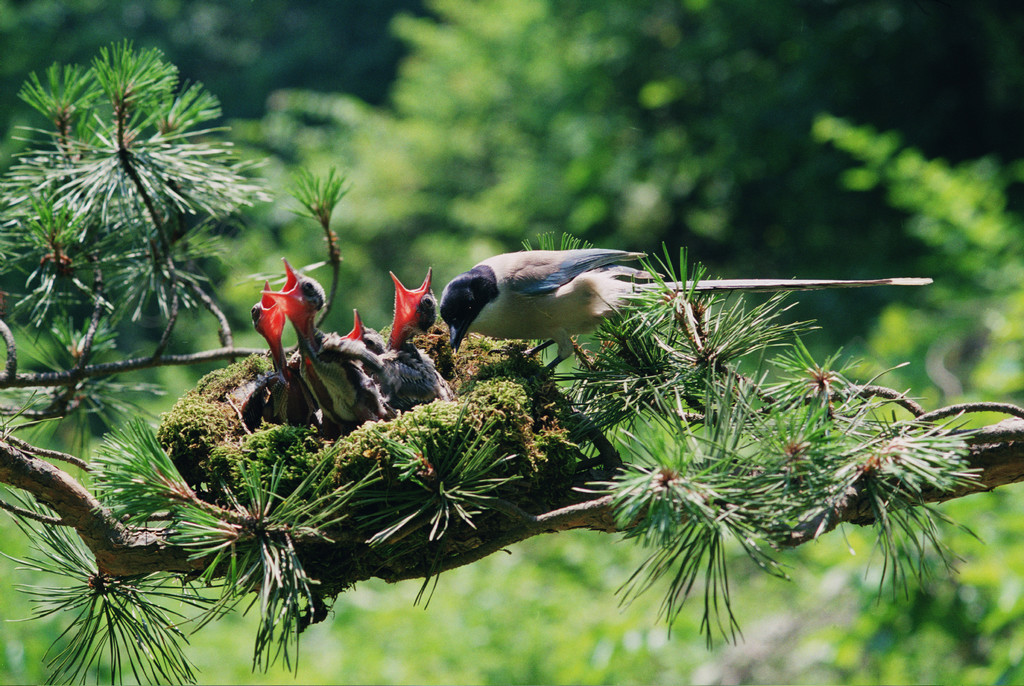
[(334, 257), (126, 158), (29, 514), (66, 378), (606, 452), (61, 404), (43, 452), (963, 408), (172, 314), (226, 339), (900, 399), (94, 323)]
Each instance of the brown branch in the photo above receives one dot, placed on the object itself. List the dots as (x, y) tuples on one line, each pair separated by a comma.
[(996, 451), (900, 399), (594, 514), (119, 550), (43, 379), (43, 452), (964, 408)]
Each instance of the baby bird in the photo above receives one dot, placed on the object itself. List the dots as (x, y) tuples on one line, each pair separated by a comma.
[(409, 377), (336, 369)]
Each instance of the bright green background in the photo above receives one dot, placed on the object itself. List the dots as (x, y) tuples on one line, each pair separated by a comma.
[(778, 139)]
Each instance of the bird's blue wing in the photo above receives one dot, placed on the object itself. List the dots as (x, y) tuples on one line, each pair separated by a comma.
[(545, 271)]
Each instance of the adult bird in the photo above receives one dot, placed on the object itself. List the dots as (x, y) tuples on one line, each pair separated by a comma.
[(409, 377), (553, 295), (337, 370)]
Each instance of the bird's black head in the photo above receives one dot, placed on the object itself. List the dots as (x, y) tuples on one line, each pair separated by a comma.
[(463, 299)]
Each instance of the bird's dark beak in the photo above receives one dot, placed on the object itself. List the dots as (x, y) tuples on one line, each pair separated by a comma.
[(455, 336)]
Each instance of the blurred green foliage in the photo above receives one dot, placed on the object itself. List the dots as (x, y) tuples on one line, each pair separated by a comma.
[(972, 333), (854, 138)]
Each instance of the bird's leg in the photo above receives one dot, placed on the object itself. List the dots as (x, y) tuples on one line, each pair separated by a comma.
[(550, 366), (536, 349)]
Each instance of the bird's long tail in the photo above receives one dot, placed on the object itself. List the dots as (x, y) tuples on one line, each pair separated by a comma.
[(644, 281), (790, 284)]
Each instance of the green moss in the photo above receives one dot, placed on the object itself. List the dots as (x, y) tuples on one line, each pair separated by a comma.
[(367, 447), (218, 383), (190, 432), (512, 398), (502, 407), (203, 420), (294, 450), (555, 462), (476, 353)]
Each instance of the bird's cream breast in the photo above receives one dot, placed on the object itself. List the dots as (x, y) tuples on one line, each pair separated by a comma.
[(576, 307)]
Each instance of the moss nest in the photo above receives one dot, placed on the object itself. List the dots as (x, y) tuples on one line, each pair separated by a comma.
[(507, 402)]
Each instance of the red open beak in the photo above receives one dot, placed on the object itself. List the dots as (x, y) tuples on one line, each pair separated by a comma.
[(269, 322), (292, 279), (356, 334), (288, 301), (406, 303), (289, 297), (267, 302)]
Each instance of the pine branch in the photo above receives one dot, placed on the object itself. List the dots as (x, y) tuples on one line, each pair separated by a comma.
[(964, 408), (52, 454), (119, 551), (901, 399), (996, 451), (66, 378)]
